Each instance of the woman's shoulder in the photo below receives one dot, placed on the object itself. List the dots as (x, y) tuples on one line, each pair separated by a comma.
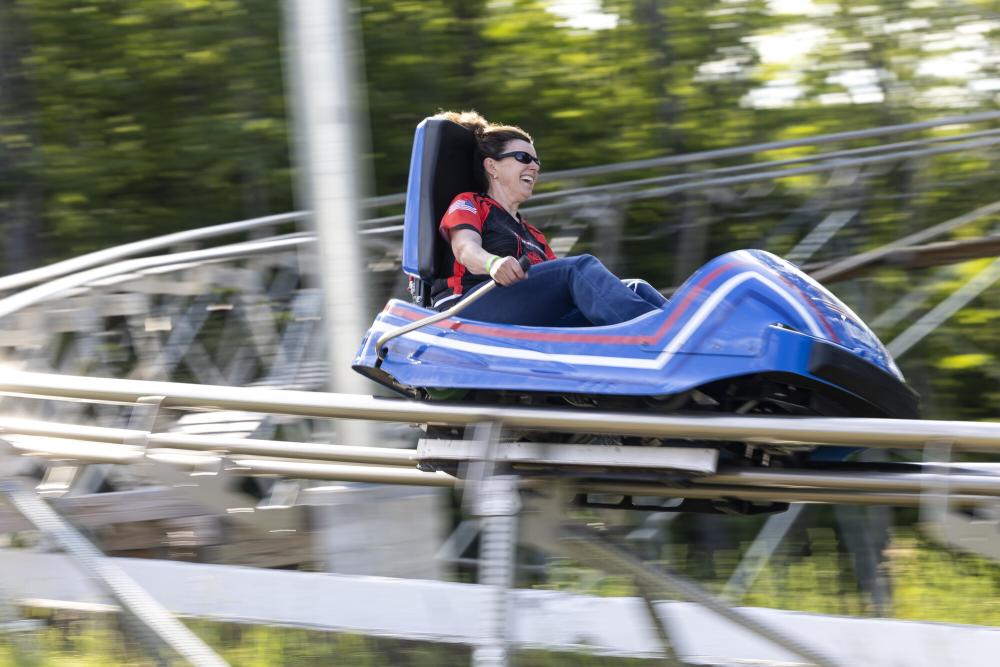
[(467, 202), (472, 202), (474, 196)]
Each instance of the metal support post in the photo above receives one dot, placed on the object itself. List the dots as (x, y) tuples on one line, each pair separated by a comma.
[(760, 552), (943, 520), (598, 550), (670, 658), (211, 491), (330, 140), (864, 532), (143, 417), (574, 548), (498, 508), (495, 501)]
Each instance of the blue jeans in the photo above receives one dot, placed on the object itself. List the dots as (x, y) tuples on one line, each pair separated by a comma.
[(569, 292)]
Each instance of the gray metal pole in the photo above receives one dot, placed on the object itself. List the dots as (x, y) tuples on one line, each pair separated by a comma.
[(760, 552), (495, 501), (321, 59)]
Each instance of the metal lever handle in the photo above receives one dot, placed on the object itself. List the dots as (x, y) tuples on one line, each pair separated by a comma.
[(437, 317)]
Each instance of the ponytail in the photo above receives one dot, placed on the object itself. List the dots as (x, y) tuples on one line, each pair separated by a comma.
[(490, 138)]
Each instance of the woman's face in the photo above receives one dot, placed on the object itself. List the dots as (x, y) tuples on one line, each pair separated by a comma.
[(514, 179)]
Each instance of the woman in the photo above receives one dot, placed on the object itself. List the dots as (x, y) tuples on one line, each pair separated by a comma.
[(487, 237)]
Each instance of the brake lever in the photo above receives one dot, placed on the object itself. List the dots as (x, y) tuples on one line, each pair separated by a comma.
[(380, 346)]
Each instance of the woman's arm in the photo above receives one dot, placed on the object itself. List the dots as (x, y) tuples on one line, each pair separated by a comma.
[(467, 246)]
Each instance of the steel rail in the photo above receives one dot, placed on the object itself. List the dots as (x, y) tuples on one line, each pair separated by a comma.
[(696, 184), (704, 179), (897, 489), (54, 288), (958, 482), (386, 456), (348, 469), (831, 156), (906, 494), (119, 454), (346, 473), (779, 495), (380, 474), (61, 438), (35, 427), (64, 449), (101, 257), (323, 461), (861, 432), (888, 487), (773, 145)]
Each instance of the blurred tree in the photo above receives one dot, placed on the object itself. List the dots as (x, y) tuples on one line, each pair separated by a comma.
[(20, 195), (157, 115), (420, 57)]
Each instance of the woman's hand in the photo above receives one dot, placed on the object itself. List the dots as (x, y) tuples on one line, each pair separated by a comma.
[(467, 246), (506, 270)]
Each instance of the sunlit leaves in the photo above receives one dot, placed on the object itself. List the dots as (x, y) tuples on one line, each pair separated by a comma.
[(964, 361)]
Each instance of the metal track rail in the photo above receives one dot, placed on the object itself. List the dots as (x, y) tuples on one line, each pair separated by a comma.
[(843, 496), (870, 433), (598, 469), (898, 482)]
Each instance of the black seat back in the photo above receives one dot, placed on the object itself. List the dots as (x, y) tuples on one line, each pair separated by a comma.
[(441, 166)]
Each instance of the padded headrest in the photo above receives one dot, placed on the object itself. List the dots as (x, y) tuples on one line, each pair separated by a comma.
[(440, 168)]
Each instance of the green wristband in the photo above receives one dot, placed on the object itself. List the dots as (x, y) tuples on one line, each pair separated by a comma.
[(489, 264)]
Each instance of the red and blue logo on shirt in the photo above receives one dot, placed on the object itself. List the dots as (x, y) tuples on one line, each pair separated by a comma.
[(461, 205)]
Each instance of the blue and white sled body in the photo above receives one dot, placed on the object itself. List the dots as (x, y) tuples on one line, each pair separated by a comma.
[(747, 316), (746, 313)]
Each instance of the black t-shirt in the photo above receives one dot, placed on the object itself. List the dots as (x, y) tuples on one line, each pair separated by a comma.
[(503, 235)]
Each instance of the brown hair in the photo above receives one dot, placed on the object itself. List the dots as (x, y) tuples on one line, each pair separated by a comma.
[(490, 138)]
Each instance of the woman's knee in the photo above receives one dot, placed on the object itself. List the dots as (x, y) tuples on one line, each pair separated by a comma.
[(586, 262)]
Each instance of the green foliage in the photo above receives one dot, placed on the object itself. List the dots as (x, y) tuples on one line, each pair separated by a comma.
[(155, 116)]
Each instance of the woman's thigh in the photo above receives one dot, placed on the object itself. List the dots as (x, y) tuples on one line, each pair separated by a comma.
[(541, 299)]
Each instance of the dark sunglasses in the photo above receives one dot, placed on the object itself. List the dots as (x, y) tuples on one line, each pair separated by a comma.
[(523, 157)]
